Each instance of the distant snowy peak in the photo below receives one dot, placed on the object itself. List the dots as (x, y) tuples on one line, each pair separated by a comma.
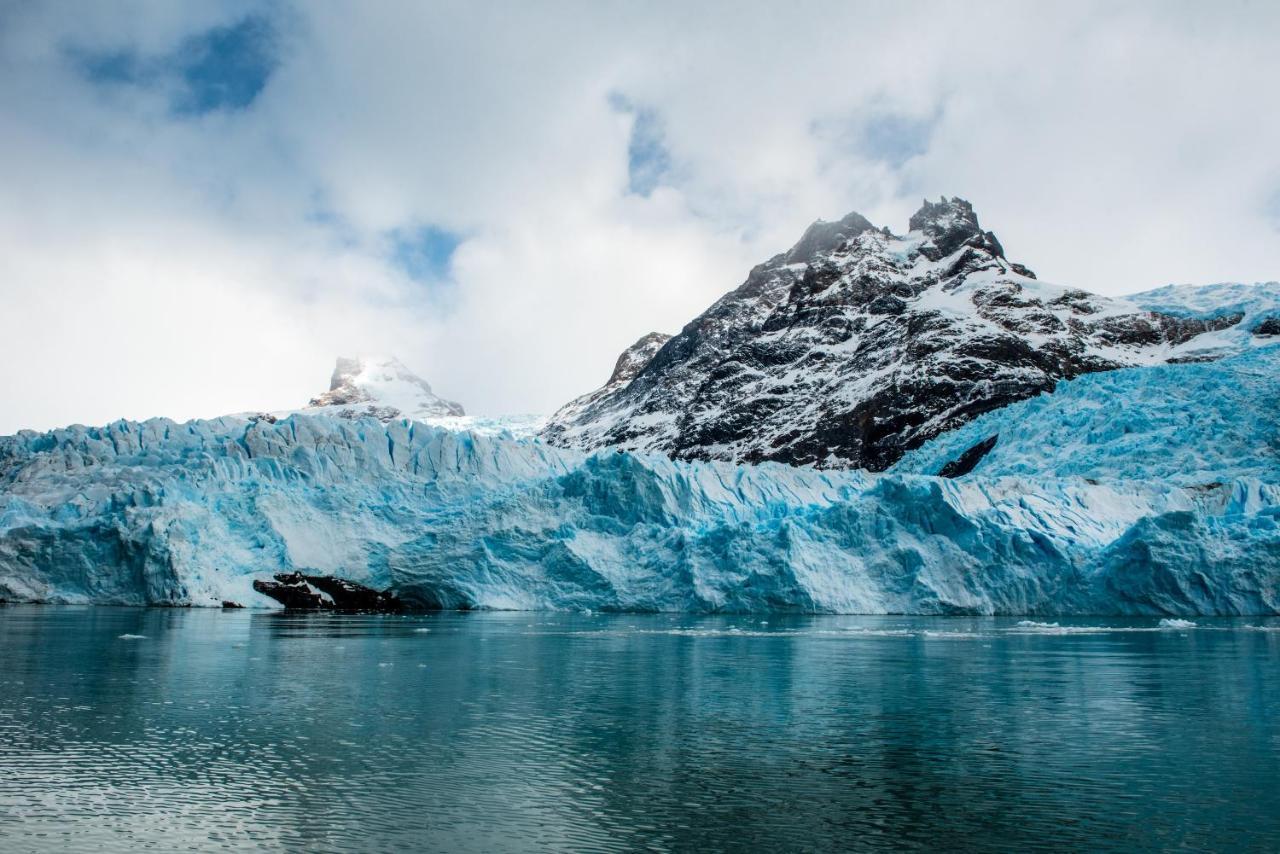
[(382, 388), (857, 345)]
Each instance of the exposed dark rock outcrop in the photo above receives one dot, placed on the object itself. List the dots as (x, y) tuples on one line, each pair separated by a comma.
[(967, 461), (298, 591), (1268, 326)]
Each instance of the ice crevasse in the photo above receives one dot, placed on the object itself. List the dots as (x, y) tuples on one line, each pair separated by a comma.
[(1143, 491)]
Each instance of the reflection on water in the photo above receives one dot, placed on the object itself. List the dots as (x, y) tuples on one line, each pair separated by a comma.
[(167, 729)]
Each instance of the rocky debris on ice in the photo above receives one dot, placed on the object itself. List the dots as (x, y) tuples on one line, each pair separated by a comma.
[(1268, 326), (1258, 306)]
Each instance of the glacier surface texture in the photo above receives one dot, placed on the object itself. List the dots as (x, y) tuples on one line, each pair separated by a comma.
[(1143, 491)]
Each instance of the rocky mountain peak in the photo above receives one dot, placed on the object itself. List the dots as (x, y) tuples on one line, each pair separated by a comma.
[(823, 237), (857, 345), (381, 387), (344, 387), (949, 224), (945, 215)]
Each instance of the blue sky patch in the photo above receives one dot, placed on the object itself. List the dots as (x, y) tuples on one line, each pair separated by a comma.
[(425, 253), (885, 135), (223, 68), (895, 138), (648, 160)]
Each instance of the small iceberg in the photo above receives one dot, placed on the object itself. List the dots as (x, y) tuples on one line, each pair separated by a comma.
[(1168, 623), (132, 637)]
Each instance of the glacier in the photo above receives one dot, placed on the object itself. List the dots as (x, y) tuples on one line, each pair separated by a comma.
[(1149, 491), (1190, 424)]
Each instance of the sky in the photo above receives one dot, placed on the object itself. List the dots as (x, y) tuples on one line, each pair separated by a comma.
[(203, 204)]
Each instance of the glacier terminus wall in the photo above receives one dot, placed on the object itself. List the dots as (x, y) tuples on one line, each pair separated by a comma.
[(1146, 518)]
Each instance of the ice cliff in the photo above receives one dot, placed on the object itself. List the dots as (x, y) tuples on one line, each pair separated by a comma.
[(1144, 491)]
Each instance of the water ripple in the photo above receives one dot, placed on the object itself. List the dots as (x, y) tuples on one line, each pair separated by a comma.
[(497, 732)]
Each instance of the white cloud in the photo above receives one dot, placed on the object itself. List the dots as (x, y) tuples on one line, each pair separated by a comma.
[(154, 264)]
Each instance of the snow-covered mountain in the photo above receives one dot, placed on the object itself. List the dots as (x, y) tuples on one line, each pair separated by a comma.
[(858, 345), (383, 388)]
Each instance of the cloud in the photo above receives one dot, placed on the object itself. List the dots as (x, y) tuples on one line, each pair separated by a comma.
[(205, 203), (1271, 208), (882, 136)]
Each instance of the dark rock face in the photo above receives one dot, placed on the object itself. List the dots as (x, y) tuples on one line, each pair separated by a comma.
[(857, 346), (949, 225), (292, 591), (966, 462), (1268, 326), (297, 591)]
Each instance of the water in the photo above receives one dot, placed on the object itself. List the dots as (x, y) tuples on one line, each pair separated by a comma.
[(126, 729)]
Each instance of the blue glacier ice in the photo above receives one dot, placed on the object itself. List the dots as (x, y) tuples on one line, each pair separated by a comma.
[(1147, 491), (1253, 301), (1189, 425)]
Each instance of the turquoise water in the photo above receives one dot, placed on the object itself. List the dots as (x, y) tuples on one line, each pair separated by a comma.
[(125, 729)]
